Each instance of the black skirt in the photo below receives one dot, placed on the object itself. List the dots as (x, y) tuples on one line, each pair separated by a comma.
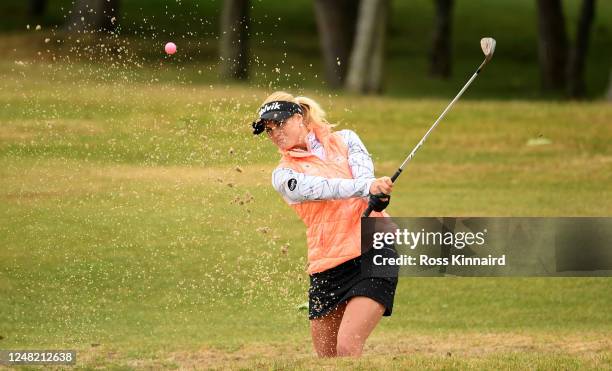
[(356, 277)]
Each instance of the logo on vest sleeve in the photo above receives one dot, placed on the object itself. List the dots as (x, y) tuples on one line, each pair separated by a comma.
[(292, 183)]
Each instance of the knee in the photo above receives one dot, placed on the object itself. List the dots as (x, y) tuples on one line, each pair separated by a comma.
[(349, 346)]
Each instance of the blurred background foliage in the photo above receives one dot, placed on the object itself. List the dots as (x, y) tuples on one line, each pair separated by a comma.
[(547, 49)]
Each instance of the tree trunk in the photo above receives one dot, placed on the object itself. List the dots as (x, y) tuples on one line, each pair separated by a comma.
[(37, 7), (374, 83), (576, 84), (440, 55), (336, 27), (367, 56), (234, 39), (94, 16), (552, 44)]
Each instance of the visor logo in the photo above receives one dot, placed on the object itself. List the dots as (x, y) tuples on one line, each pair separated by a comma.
[(269, 107)]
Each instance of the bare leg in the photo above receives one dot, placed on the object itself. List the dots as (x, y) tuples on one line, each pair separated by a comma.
[(324, 331), (361, 316)]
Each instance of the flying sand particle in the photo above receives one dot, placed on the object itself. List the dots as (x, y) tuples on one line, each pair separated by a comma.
[(284, 248)]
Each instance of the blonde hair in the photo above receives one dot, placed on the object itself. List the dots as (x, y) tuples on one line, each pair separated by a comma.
[(314, 116)]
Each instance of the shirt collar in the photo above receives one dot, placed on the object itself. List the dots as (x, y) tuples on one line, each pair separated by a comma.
[(311, 142)]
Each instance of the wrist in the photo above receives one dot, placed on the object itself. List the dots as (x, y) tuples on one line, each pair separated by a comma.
[(369, 183)]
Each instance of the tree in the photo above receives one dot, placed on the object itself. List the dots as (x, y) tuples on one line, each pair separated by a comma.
[(576, 84), (234, 39), (37, 7), (440, 54), (367, 56), (94, 16), (336, 27), (552, 44)]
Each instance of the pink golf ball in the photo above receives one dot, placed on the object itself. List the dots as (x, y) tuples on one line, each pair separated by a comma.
[(170, 48)]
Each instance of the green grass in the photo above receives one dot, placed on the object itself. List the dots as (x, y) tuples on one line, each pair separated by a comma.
[(128, 233)]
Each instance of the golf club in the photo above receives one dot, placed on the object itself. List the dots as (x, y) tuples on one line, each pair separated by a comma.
[(487, 45)]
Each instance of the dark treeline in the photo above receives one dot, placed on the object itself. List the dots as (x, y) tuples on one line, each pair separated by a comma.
[(352, 35)]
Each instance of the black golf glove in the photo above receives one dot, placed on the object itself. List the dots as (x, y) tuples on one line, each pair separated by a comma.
[(376, 202)]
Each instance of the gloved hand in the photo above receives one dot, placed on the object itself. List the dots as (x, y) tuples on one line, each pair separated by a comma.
[(379, 202)]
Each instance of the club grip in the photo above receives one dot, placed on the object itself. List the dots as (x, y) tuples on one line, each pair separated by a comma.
[(396, 175), (367, 212)]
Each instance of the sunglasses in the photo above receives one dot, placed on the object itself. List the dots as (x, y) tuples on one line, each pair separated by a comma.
[(271, 125)]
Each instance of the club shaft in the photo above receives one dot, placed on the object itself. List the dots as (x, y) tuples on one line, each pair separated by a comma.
[(368, 210), (450, 105)]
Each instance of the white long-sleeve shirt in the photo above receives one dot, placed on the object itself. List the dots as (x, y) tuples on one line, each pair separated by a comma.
[(296, 187)]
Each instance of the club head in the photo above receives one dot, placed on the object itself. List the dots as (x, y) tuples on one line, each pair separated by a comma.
[(488, 47)]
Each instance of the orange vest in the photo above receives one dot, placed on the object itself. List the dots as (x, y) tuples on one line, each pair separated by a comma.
[(333, 226)]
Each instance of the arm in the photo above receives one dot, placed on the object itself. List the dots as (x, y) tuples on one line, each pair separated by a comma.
[(298, 187), (362, 167), (359, 159)]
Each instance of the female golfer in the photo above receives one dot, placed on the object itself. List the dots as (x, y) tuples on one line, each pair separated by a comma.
[(326, 177)]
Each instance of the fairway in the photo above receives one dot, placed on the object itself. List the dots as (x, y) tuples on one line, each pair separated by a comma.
[(139, 226)]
